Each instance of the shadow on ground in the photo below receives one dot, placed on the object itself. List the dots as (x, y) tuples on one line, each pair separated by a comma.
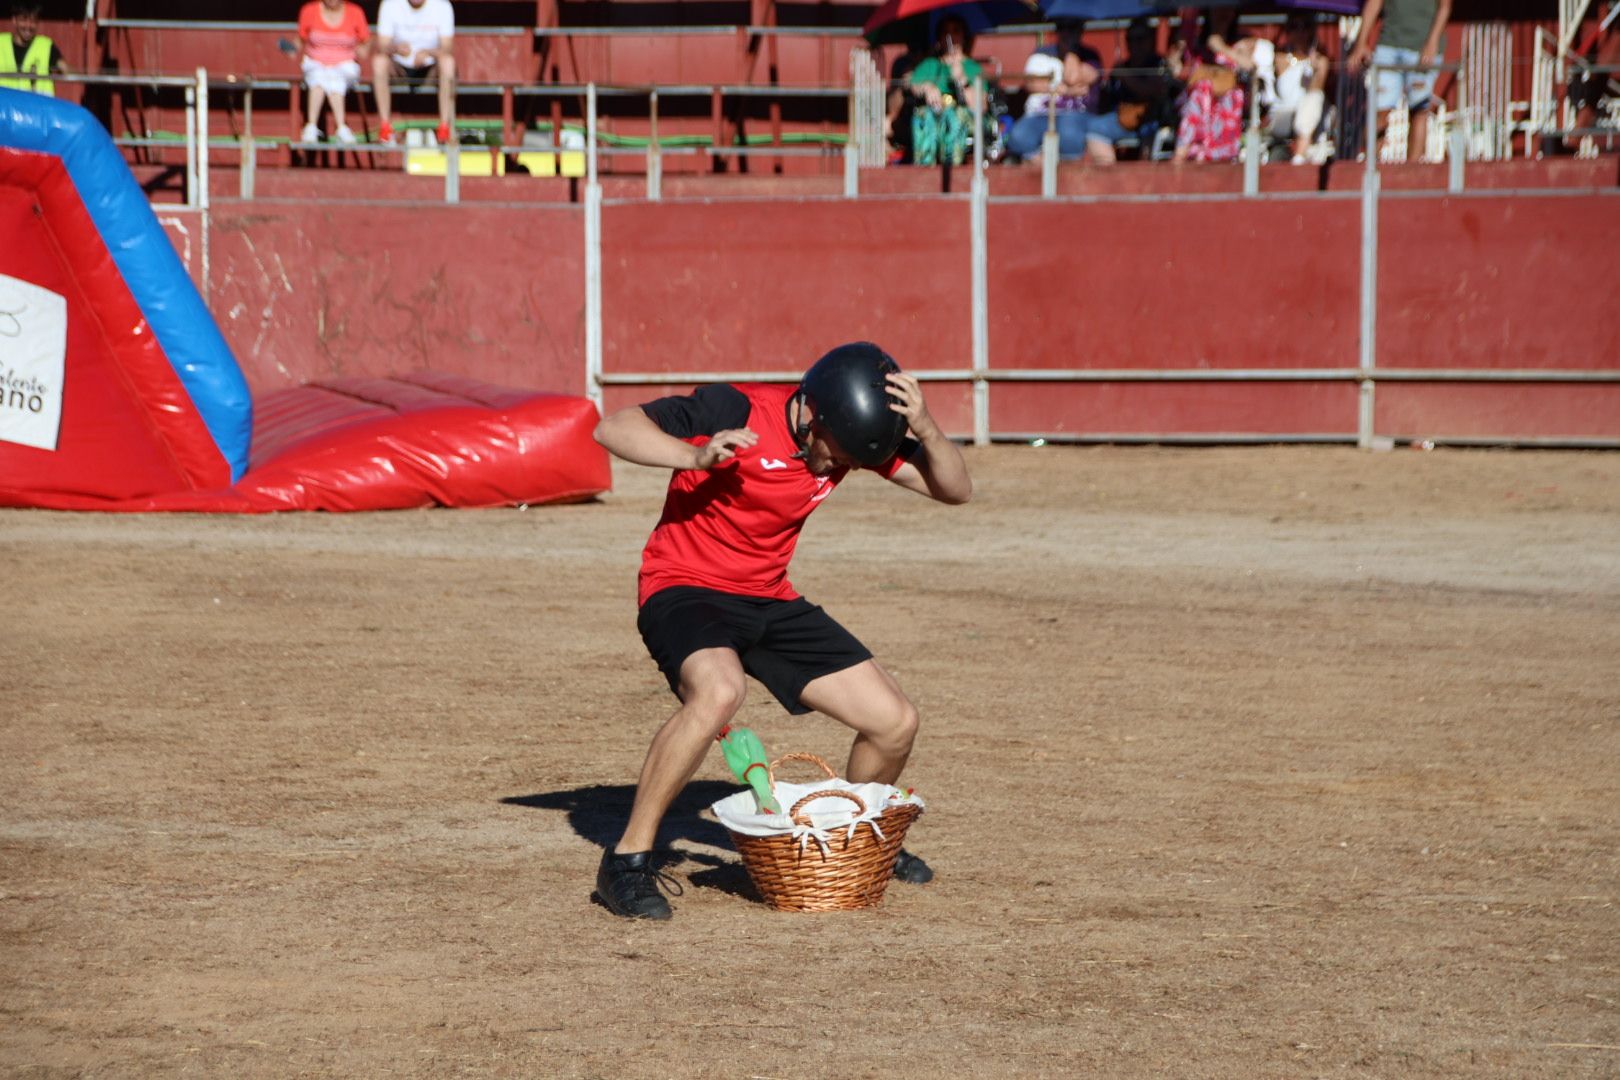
[(598, 813)]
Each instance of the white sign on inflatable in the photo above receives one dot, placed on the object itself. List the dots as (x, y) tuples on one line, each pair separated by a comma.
[(33, 345)]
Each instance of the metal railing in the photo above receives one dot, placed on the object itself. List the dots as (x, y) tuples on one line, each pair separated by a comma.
[(1554, 63), (198, 142)]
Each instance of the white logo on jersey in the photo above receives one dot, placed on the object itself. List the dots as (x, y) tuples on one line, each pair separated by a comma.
[(822, 490), (772, 463)]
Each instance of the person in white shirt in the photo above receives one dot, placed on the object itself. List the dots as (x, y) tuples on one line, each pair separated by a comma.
[(414, 41), (1301, 78)]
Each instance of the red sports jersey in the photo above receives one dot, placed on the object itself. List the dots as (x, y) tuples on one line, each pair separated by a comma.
[(733, 527)]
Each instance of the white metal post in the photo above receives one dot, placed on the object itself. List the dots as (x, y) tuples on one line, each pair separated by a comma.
[(590, 133), (852, 140), (978, 199), (202, 175), (191, 145), (593, 257), (655, 153), (1369, 267), (452, 167), (202, 138), (250, 148), (1049, 151), (1251, 143)]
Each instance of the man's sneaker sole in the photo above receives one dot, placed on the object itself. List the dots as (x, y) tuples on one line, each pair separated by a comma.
[(653, 914)]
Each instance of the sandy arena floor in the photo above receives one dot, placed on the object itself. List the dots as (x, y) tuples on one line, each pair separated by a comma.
[(1273, 762)]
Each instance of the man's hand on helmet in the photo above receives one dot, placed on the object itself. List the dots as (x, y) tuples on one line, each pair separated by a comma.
[(908, 402)]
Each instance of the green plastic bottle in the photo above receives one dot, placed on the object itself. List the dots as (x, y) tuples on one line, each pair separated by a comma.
[(746, 756)]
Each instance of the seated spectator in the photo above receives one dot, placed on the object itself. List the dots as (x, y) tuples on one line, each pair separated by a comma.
[(1102, 125), (1145, 87), (1085, 126), (331, 36), (1301, 81), (898, 108), (1211, 126), (1057, 96), (945, 88), (26, 51), (415, 39)]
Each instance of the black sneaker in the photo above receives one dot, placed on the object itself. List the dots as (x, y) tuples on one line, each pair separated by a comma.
[(628, 886), (911, 870)]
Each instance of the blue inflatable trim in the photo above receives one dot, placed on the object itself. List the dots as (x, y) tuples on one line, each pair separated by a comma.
[(145, 257)]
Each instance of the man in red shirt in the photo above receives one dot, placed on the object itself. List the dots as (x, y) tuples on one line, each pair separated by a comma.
[(751, 463)]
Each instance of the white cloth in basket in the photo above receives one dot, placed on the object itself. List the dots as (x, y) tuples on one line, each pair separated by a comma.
[(828, 817)]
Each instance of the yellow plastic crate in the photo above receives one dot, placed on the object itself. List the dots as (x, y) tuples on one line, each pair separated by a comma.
[(553, 162), (538, 162), (475, 161)]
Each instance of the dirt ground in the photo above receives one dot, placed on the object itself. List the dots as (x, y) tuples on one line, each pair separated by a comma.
[(1260, 762)]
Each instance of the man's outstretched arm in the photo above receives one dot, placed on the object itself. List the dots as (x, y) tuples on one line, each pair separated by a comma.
[(634, 436), (937, 468)]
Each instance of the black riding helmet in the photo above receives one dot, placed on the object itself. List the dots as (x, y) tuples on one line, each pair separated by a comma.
[(845, 394)]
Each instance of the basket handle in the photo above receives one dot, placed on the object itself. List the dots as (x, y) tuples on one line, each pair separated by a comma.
[(811, 758), (860, 804)]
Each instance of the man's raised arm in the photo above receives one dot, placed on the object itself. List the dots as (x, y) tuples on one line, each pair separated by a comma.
[(938, 470), (634, 436)]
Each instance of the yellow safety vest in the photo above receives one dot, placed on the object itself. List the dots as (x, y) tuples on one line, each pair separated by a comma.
[(37, 60)]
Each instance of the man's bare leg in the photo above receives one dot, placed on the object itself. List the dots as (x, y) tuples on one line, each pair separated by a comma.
[(867, 698), (713, 688)]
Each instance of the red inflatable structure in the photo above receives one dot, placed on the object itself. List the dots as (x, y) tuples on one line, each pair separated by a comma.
[(117, 391), (425, 439)]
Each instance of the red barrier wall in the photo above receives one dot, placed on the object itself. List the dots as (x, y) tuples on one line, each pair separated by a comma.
[(1486, 411), (305, 291), (1498, 282), (718, 286), (496, 291), (1189, 284), (1205, 410)]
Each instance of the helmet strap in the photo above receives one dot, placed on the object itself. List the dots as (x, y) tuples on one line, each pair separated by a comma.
[(799, 423)]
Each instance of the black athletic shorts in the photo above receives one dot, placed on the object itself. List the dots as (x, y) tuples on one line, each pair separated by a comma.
[(782, 643)]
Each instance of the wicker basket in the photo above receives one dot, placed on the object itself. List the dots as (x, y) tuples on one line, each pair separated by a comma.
[(851, 872)]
